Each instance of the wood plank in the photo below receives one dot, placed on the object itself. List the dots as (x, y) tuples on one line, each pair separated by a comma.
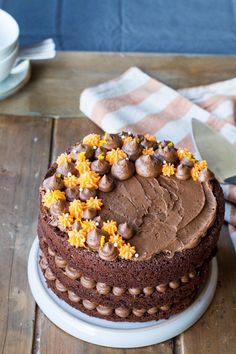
[(24, 146), (50, 338), (215, 331), (56, 85)]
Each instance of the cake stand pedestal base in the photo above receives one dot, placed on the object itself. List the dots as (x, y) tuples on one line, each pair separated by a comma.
[(114, 334)]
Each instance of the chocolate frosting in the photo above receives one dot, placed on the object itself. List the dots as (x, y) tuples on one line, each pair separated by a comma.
[(100, 166), (59, 207), (99, 221), (132, 149), (122, 169), (183, 172), (205, 175), (168, 153), (52, 183), (187, 162), (93, 239), (82, 148), (72, 193), (113, 141), (148, 166), (67, 167), (149, 144), (108, 252), (125, 231), (106, 184), (100, 150), (89, 213), (86, 194), (175, 214)]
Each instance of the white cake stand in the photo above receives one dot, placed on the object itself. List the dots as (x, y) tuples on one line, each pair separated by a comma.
[(114, 334)]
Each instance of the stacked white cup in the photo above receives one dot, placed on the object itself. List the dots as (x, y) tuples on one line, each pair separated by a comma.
[(9, 36)]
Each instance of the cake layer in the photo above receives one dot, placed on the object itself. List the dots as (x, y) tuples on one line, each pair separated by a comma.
[(118, 313), (102, 293), (157, 270)]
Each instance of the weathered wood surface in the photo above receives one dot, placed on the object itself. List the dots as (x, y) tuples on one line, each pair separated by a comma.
[(55, 86), (24, 146)]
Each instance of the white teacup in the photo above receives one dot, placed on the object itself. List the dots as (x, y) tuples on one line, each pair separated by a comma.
[(9, 34)]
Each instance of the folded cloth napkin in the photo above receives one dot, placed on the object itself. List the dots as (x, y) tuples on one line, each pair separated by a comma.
[(138, 103)]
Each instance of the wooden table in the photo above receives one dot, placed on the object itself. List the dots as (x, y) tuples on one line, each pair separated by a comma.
[(30, 141)]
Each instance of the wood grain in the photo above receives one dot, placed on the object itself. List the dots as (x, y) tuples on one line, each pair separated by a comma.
[(24, 146), (56, 85), (50, 338), (215, 331)]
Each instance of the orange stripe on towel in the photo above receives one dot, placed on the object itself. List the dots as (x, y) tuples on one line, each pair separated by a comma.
[(135, 97)]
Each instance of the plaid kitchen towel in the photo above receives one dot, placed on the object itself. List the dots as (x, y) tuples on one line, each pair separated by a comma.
[(138, 103)]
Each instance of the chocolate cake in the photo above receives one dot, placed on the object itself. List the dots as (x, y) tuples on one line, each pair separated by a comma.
[(127, 226)]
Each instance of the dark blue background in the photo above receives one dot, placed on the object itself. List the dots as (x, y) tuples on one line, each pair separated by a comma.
[(179, 26)]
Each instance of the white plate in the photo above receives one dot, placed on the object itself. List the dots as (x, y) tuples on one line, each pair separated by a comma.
[(114, 334), (18, 77)]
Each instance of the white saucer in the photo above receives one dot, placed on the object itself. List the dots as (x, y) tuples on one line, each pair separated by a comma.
[(18, 77), (114, 334)]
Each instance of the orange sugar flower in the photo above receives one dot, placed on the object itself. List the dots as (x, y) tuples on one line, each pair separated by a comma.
[(110, 227), (81, 156), (88, 225), (114, 155), (117, 240), (89, 179), (77, 238), (76, 209), (168, 169), (63, 158), (94, 203), (126, 139), (83, 166), (181, 152), (198, 166), (127, 251), (51, 196), (150, 137), (66, 220), (71, 181), (92, 140), (148, 151)]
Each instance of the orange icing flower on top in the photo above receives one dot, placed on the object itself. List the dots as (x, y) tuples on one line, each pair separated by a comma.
[(114, 155), (184, 153), (89, 179), (76, 209), (63, 158), (194, 173), (83, 166), (101, 156), (127, 139), (66, 220), (71, 181), (88, 225), (148, 151), (198, 166), (117, 239), (150, 137), (77, 238), (81, 156), (110, 227), (92, 140), (168, 169), (127, 251), (51, 196), (94, 203)]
